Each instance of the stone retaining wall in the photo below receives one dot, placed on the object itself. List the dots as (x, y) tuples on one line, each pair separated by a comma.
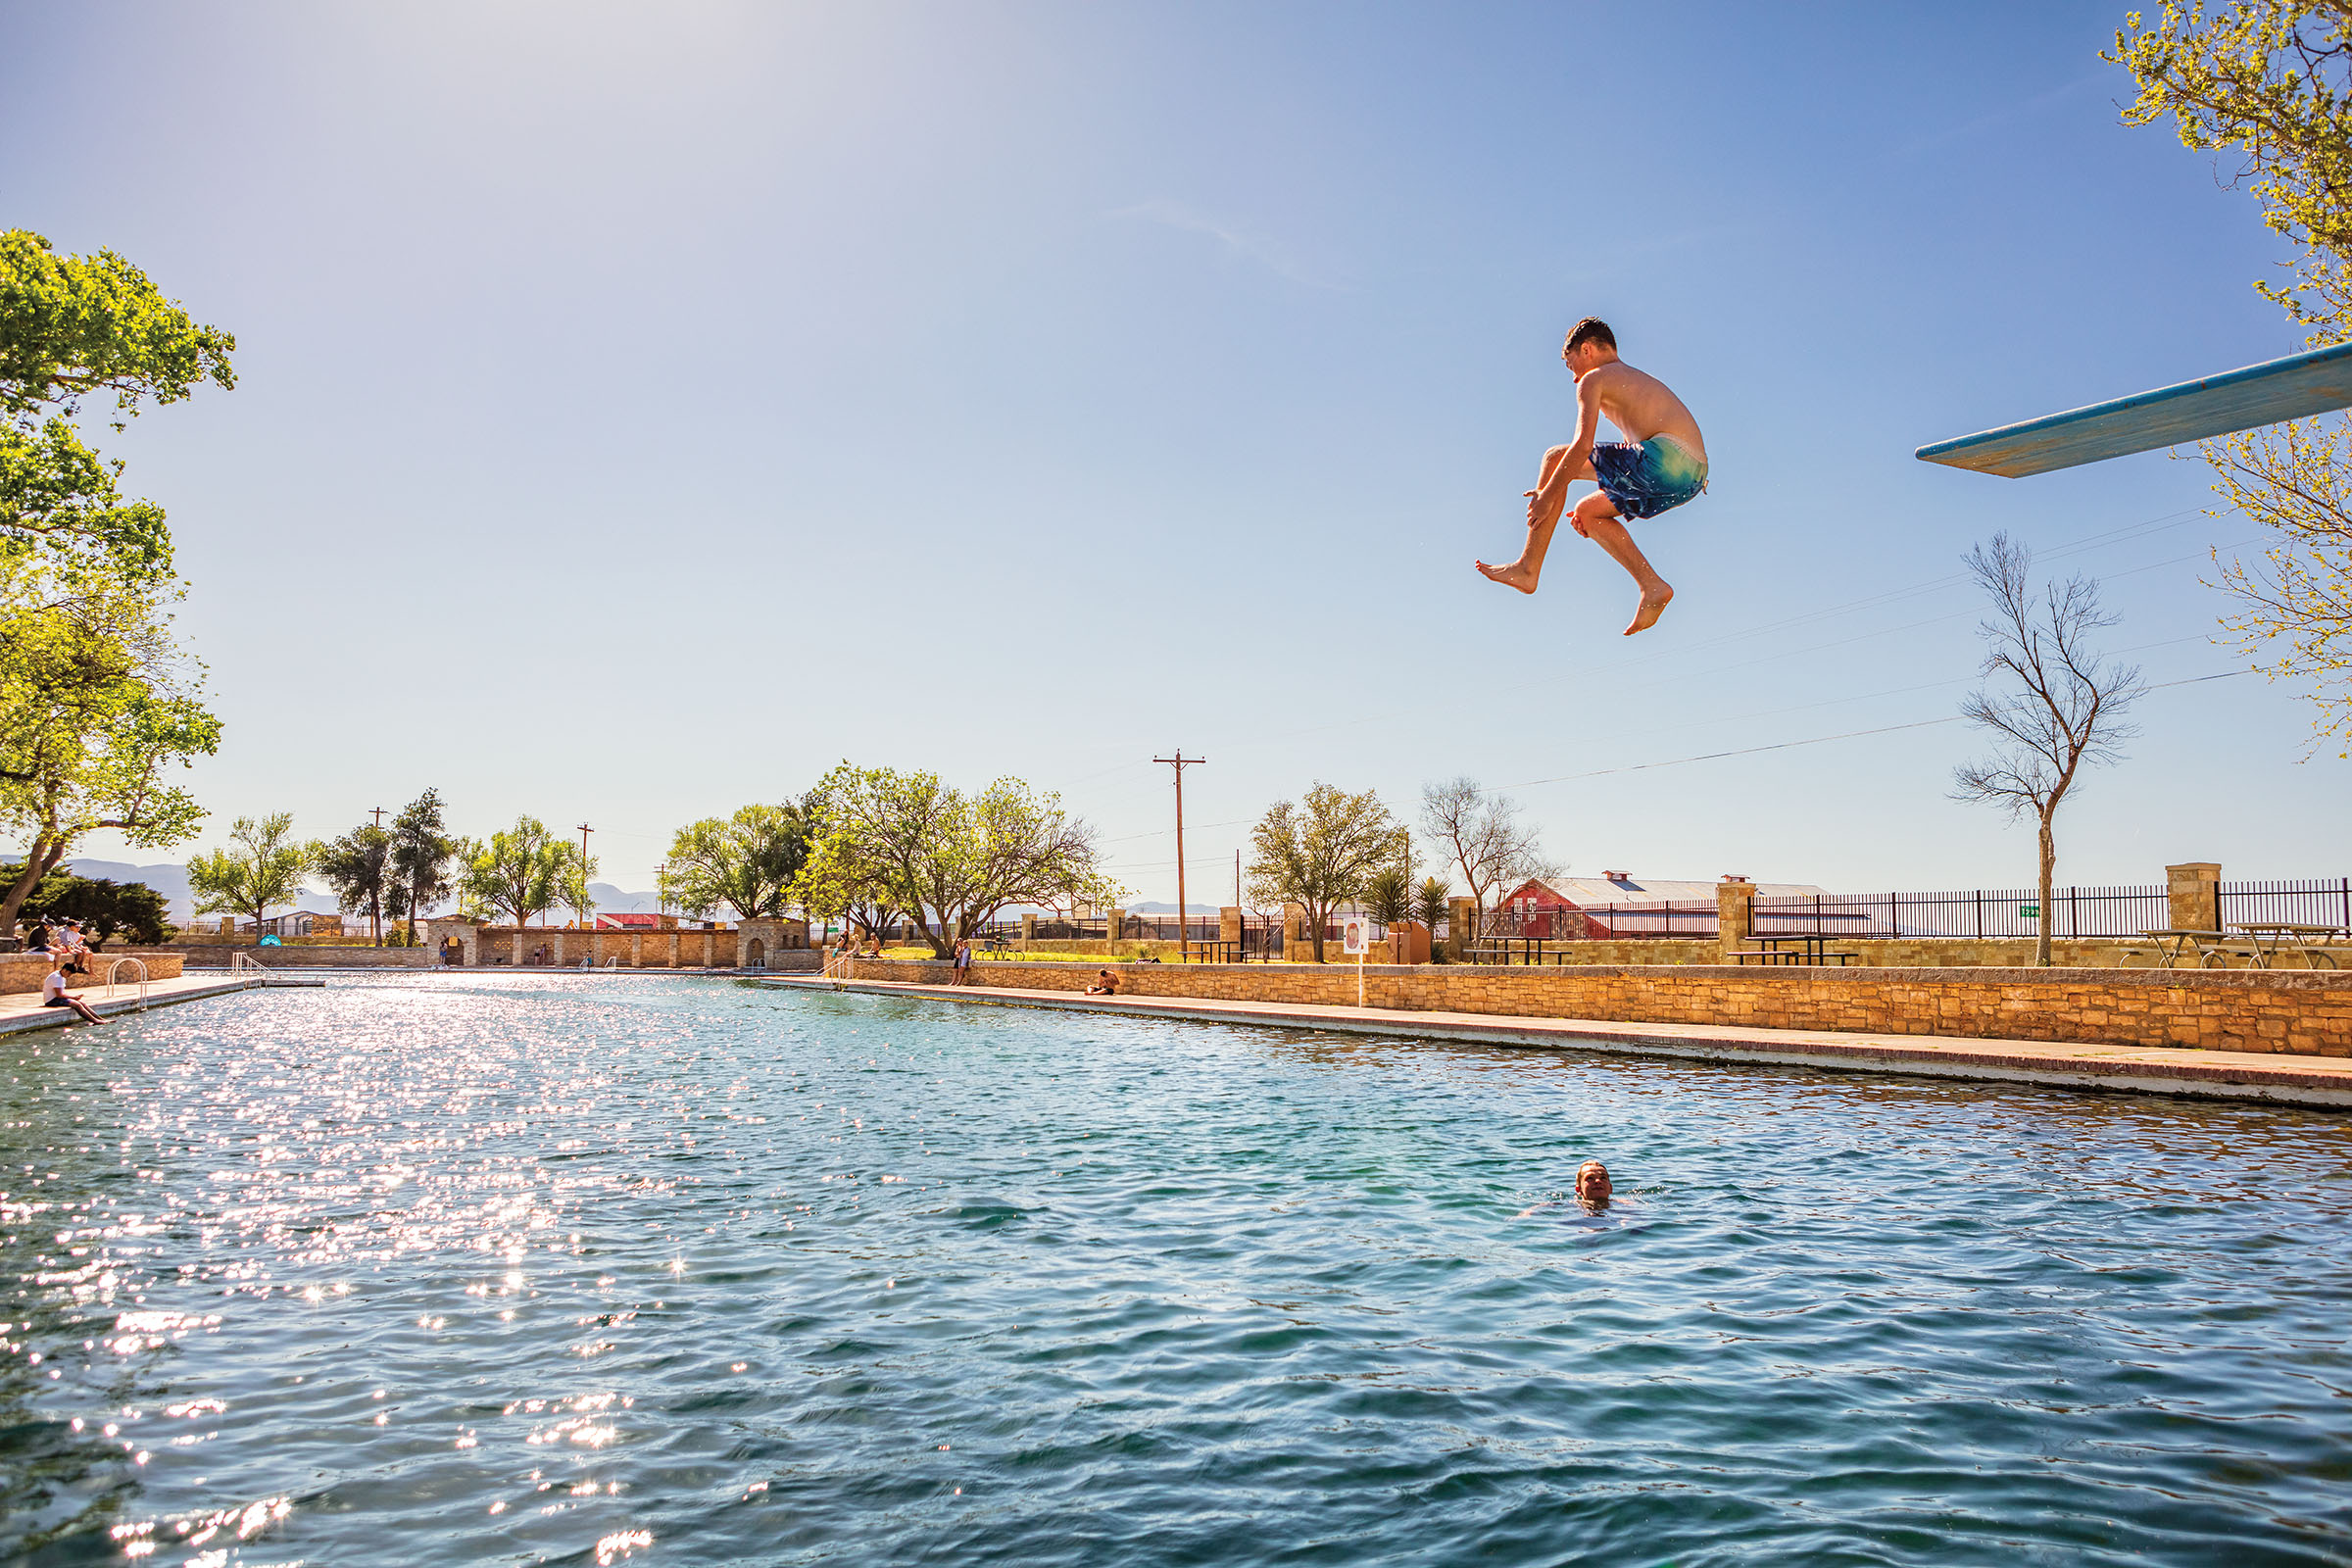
[(215, 956), (22, 971), (2218, 1009), (1902, 952)]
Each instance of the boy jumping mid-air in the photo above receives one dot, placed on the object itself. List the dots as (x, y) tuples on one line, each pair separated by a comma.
[(1661, 463)]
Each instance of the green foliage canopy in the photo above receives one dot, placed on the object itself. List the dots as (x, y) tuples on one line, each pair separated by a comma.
[(73, 325), (93, 717), (522, 872), (261, 867), (748, 863), (103, 906), (358, 868), (424, 856), (1323, 853), (908, 839)]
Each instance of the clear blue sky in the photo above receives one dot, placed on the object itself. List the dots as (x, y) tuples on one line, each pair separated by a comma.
[(642, 408)]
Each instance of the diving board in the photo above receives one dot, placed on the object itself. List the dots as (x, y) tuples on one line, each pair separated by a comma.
[(2267, 393)]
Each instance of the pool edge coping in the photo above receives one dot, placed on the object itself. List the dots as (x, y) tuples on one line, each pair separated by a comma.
[(62, 1018), (2212, 1075)]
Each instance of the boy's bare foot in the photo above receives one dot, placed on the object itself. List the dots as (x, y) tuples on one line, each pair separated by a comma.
[(1653, 605), (1513, 576)]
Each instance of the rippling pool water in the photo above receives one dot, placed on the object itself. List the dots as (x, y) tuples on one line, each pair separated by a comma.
[(522, 1269)]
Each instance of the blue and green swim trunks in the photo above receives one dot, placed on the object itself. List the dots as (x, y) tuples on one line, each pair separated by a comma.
[(1647, 477)]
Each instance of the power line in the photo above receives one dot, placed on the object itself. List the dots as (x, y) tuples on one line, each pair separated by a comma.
[(1818, 740)]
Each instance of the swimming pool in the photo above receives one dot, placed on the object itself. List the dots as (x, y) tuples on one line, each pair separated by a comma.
[(450, 1269)]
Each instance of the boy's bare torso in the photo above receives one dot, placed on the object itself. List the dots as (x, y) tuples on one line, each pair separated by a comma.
[(1640, 406)]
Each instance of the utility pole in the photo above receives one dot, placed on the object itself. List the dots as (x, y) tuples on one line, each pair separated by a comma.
[(585, 830), (1179, 762), (378, 812)]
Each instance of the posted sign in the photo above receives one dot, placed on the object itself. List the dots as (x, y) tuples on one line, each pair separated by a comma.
[(1356, 935)]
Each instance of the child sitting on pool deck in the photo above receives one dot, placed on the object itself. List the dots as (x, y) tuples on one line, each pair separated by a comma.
[(54, 994)]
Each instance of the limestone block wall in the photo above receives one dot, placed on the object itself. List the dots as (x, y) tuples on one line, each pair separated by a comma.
[(2221, 1009), (215, 956), (1905, 953), (22, 971)]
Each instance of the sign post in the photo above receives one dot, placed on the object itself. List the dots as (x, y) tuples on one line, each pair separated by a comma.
[(1356, 935)]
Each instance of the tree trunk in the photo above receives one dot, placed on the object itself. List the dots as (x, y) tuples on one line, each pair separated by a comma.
[(2049, 861), (40, 859), (1319, 916)]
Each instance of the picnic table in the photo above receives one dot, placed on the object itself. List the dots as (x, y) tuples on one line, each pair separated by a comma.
[(1532, 951), (2272, 938), (1214, 951), (2215, 948), (1810, 947)]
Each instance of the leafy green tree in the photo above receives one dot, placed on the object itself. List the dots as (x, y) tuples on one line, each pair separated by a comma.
[(424, 858), (2269, 82), (947, 860), (74, 325), (1430, 907), (576, 874), (263, 867), (70, 328), (60, 501), (103, 906), (748, 863), (2053, 704), (1388, 896), (1322, 854), (358, 867), (93, 716), (522, 872)]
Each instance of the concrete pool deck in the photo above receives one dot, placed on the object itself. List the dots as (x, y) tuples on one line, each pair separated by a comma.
[(20, 1011), (2303, 1080)]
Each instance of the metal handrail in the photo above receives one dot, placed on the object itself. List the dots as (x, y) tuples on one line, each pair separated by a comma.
[(115, 968), (243, 962)]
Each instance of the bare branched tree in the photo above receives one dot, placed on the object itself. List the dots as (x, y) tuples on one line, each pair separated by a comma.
[(2054, 705), (1481, 838)]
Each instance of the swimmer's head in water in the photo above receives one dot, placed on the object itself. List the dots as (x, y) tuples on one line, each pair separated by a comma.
[(1592, 1182)]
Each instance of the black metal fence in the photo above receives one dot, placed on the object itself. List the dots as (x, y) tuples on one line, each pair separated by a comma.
[(2074, 912), (2092, 913), (2325, 901)]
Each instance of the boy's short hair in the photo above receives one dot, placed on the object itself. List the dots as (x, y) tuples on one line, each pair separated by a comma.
[(1592, 329)]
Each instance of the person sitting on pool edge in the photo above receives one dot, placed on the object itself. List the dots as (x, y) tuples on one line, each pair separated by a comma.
[(54, 994), (1106, 985)]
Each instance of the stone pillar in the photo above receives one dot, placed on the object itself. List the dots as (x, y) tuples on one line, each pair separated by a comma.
[(1028, 929), (1462, 925), (2194, 891), (1295, 949), (773, 936), (1118, 920), (674, 950), (1735, 914), (636, 950), (466, 931), (1229, 927), (557, 957), (710, 950)]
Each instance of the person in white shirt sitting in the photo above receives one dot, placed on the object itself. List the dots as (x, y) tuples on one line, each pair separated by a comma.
[(54, 994)]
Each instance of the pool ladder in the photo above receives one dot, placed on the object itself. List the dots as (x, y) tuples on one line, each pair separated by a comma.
[(115, 968)]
